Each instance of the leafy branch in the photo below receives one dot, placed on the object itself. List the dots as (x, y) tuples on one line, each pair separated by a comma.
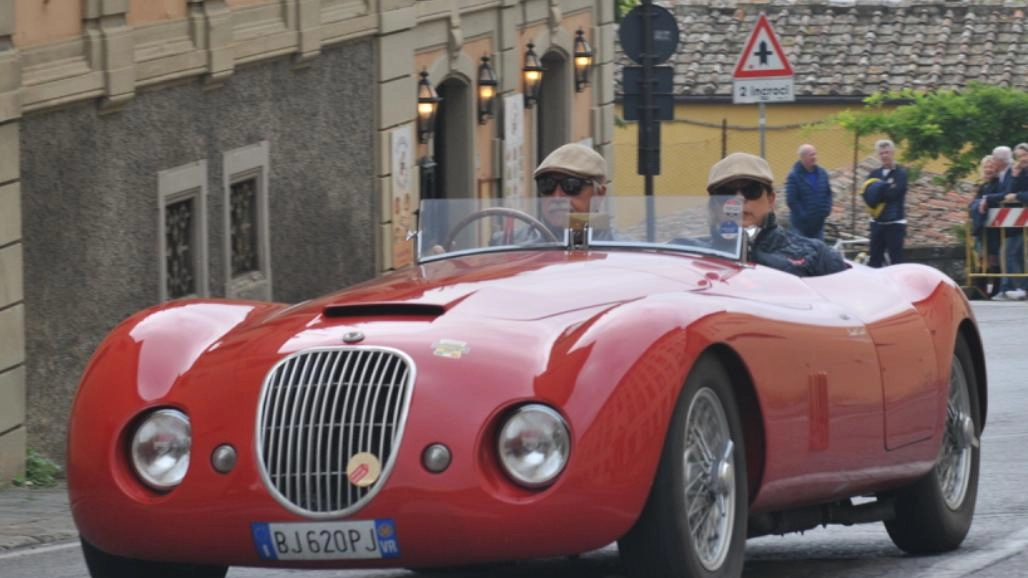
[(960, 126)]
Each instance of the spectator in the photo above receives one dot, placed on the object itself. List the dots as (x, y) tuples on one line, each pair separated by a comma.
[(1012, 288), (889, 228), (750, 176), (808, 194), (986, 239)]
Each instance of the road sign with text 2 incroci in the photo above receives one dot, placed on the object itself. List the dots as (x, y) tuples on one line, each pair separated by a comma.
[(763, 73)]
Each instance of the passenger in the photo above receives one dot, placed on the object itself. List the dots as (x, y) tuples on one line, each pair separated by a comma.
[(769, 244)]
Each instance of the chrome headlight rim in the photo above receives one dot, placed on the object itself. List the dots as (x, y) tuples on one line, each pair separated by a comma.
[(560, 437), (176, 455)]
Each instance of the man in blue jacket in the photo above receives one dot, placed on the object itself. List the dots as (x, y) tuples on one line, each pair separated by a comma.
[(889, 228), (808, 194)]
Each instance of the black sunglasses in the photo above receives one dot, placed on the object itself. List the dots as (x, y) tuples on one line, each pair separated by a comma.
[(572, 186), (750, 191)]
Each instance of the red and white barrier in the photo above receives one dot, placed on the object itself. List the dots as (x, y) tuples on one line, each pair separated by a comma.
[(1009, 217)]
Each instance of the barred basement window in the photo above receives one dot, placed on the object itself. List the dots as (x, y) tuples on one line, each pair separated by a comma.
[(244, 227), (247, 245), (179, 234), (182, 231)]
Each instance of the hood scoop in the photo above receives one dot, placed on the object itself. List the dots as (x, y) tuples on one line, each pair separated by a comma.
[(407, 310)]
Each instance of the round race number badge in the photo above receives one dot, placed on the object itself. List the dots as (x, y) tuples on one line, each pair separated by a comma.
[(363, 469)]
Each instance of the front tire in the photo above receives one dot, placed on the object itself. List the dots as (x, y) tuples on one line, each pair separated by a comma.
[(934, 514), (694, 522), (105, 565)]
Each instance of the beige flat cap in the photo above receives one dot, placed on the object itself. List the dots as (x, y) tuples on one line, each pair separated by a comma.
[(739, 166), (575, 159)]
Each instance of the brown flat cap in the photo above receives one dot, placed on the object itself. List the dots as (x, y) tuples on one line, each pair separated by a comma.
[(739, 166), (575, 159)]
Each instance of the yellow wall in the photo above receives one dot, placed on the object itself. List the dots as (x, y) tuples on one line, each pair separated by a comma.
[(143, 11), (693, 142), (38, 22)]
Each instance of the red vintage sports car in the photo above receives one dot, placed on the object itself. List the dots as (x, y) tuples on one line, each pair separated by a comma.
[(539, 383)]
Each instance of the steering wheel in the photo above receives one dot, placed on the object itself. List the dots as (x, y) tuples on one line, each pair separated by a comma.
[(500, 212)]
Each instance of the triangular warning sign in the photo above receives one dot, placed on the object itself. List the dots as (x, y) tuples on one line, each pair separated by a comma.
[(763, 56)]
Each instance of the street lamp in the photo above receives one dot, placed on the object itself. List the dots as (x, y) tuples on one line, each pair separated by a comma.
[(583, 61), (533, 73), (428, 105), (486, 90)]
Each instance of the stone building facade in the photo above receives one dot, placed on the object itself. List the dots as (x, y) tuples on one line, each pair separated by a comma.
[(253, 149)]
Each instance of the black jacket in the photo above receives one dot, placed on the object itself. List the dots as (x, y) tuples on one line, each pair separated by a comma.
[(791, 252), (895, 195)]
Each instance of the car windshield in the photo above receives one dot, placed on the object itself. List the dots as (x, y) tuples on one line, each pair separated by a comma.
[(703, 224)]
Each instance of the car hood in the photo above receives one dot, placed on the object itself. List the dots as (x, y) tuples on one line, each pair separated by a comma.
[(524, 286)]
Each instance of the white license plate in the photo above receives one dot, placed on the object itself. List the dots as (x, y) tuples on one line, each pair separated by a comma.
[(355, 540)]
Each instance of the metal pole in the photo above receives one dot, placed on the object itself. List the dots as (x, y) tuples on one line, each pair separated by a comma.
[(648, 126), (724, 137), (763, 125), (853, 188)]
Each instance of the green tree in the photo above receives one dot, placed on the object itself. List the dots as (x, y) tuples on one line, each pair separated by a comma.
[(960, 126), (621, 7)]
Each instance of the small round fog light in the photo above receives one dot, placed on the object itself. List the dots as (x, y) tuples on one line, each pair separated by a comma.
[(436, 458), (223, 458)]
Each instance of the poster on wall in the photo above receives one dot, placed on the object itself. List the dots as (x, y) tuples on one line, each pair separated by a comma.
[(513, 140), (402, 149)]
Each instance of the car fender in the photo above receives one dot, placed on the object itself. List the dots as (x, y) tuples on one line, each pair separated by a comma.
[(133, 369), (947, 312), (624, 394)]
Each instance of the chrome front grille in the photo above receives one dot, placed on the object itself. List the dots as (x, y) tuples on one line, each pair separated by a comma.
[(318, 409)]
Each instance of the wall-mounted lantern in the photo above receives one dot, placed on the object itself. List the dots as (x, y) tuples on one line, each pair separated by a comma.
[(428, 105), (486, 90), (583, 61), (533, 73)]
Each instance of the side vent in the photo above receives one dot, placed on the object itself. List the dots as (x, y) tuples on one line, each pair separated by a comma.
[(385, 310), (818, 410)]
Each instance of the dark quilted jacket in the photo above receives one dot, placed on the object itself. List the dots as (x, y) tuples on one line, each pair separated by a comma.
[(793, 253)]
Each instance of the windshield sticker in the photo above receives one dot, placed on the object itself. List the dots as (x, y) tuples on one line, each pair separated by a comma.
[(732, 208), (729, 229), (450, 348)]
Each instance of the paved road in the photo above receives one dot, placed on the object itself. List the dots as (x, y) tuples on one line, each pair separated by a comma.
[(997, 546)]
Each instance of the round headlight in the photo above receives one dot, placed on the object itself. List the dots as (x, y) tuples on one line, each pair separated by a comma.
[(534, 444), (160, 448)]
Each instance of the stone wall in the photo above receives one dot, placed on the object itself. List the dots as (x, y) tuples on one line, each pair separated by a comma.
[(90, 202)]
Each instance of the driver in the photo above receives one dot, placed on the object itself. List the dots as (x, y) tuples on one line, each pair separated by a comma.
[(770, 245), (574, 172), (567, 181)]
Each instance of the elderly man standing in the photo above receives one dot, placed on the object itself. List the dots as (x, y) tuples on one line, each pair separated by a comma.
[(889, 228), (808, 194)]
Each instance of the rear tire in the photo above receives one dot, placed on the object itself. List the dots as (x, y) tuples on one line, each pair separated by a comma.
[(934, 514), (105, 565), (694, 522)]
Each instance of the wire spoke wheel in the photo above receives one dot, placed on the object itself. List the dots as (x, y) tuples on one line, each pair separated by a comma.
[(954, 465), (934, 514), (708, 468)]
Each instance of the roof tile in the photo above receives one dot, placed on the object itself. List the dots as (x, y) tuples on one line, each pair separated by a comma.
[(840, 47)]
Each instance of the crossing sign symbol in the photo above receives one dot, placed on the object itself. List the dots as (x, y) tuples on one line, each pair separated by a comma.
[(762, 55)]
